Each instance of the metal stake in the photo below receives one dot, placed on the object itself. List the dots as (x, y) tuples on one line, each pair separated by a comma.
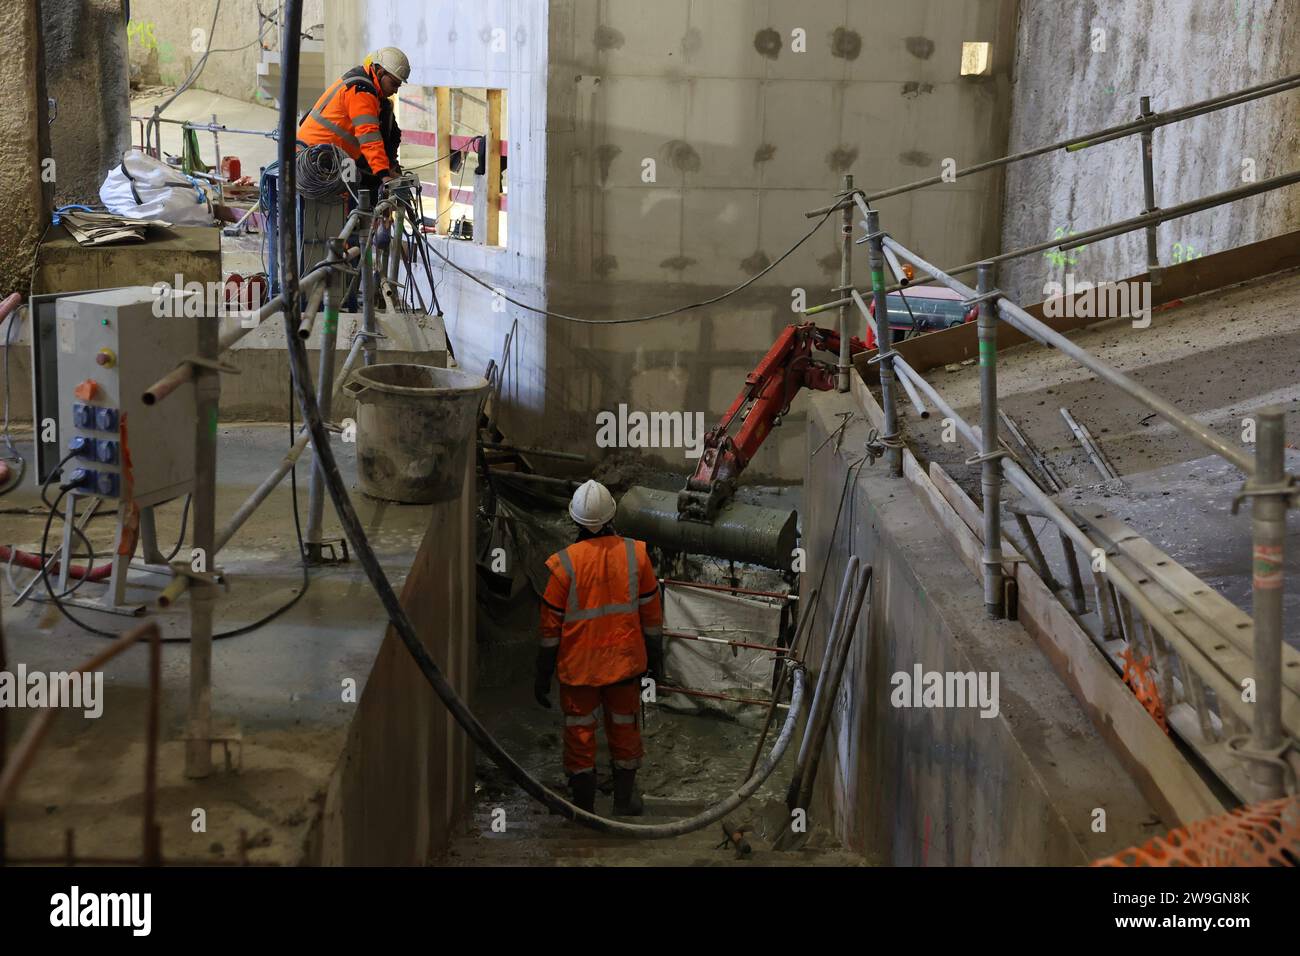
[(990, 452), (207, 391), (846, 281), (1268, 533), (368, 278), (324, 395), (884, 344), (1149, 191)]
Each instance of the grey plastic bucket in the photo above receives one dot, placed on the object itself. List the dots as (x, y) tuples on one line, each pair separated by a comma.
[(415, 424)]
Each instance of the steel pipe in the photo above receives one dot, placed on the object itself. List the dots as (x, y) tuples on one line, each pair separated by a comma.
[(819, 689), (990, 473), (1040, 332), (1149, 193), (324, 397), (1269, 493), (845, 366), (185, 371), (884, 343)]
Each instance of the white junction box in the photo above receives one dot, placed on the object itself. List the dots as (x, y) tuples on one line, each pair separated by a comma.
[(112, 346)]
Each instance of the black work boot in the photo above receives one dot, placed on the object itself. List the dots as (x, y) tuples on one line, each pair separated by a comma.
[(582, 787), (627, 802)]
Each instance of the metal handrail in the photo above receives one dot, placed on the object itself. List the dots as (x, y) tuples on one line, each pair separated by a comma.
[(1268, 485), (1020, 319)]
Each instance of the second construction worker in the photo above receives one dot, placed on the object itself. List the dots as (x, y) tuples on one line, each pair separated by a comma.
[(356, 114), (602, 629)]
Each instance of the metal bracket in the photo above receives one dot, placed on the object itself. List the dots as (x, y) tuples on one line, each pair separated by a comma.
[(988, 456), (1240, 748), (214, 364), (214, 577), (1286, 489), (869, 236), (877, 444), (991, 294), (314, 553)]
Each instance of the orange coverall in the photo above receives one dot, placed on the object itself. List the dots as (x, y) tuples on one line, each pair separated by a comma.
[(601, 605)]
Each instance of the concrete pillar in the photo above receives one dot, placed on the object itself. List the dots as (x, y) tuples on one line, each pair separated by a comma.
[(86, 74), (23, 140)]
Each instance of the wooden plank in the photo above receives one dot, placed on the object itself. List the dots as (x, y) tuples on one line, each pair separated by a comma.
[(1228, 620), (1233, 660), (493, 234), (442, 103), (1180, 281), (1166, 778)]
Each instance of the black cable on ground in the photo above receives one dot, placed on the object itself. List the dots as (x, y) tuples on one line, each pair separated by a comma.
[(366, 557), (56, 599)]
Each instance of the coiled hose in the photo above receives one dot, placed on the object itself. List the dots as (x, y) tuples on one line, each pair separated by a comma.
[(366, 557), (319, 172)]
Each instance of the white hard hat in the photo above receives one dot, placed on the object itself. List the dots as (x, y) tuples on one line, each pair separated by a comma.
[(395, 62), (592, 505)]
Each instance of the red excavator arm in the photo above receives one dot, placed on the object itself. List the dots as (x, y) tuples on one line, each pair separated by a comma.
[(787, 367)]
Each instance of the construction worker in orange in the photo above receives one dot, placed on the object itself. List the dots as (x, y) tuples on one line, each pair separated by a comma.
[(355, 113), (602, 629)]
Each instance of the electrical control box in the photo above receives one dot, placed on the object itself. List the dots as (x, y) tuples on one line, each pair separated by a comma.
[(112, 346)]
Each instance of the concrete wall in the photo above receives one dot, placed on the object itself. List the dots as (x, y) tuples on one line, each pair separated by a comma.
[(931, 786), (406, 777), (86, 74), (451, 43), (1176, 52), (24, 142), (745, 137), (746, 134), (162, 42)]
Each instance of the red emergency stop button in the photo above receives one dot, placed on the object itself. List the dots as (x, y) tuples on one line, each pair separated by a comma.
[(106, 358)]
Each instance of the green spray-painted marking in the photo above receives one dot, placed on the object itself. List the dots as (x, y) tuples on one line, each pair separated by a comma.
[(877, 280), (331, 321), (988, 352)]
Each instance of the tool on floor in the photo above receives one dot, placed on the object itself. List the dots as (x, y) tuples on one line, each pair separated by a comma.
[(733, 835), (702, 518)]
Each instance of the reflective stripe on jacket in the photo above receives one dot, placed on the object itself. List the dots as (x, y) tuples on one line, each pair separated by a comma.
[(600, 602), (347, 115)]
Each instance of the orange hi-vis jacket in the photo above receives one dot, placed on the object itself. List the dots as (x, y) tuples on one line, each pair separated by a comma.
[(601, 602), (347, 115)]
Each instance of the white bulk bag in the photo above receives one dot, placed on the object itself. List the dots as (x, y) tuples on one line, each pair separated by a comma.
[(146, 188)]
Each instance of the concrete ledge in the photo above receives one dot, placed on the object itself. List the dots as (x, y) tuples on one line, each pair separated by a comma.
[(932, 786)]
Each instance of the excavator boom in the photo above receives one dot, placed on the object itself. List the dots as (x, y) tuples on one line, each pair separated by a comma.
[(705, 519)]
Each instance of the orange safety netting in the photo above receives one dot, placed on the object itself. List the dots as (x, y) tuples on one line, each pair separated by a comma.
[(1138, 676), (1265, 834)]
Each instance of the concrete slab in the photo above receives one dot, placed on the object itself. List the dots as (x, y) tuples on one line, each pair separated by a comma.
[(280, 686), (198, 106)]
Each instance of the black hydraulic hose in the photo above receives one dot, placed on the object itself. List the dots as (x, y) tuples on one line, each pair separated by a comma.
[(365, 555)]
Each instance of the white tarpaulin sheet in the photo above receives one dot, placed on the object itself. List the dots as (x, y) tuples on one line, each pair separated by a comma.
[(718, 668)]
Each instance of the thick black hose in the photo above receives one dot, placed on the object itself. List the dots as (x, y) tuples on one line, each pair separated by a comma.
[(366, 557)]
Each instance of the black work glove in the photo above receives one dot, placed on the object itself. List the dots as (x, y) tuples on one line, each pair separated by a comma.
[(545, 669), (654, 657)]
